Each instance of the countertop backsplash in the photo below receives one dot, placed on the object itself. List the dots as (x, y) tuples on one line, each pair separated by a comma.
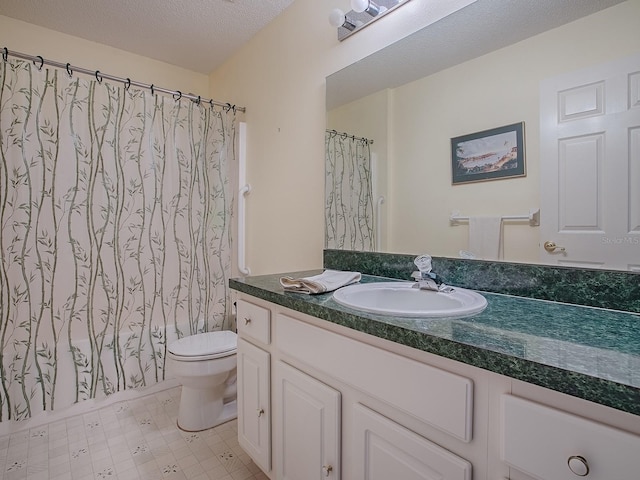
[(615, 290)]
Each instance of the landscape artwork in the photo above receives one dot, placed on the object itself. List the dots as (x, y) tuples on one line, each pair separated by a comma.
[(488, 155)]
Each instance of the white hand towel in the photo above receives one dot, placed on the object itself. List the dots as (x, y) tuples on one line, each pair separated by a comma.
[(327, 281), (485, 237)]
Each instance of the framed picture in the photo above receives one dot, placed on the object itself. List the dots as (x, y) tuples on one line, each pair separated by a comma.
[(488, 155)]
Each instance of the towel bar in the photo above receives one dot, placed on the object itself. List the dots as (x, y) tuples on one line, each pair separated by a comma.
[(533, 218)]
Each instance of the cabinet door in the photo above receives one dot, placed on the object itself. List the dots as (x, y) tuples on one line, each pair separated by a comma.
[(254, 403), (308, 426), (386, 450)]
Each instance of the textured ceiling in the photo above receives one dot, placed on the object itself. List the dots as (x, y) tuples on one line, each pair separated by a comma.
[(480, 28), (195, 34)]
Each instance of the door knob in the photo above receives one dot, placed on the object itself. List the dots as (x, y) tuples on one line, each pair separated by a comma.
[(551, 247), (326, 470)]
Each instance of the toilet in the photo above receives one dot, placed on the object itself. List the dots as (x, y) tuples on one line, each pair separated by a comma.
[(205, 365)]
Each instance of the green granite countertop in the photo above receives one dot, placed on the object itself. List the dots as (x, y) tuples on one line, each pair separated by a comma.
[(590, 353)]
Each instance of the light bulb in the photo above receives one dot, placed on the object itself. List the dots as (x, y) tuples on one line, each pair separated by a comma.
[(366, 6), (359, 5), (337, 18)]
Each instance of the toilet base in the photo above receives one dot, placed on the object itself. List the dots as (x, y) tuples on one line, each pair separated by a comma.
[(229, 412)]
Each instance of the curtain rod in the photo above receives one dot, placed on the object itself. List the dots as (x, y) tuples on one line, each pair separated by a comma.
[(352, 137), (177, 94)]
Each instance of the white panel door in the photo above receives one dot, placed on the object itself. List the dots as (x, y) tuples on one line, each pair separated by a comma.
[(307, 426), (590, 166), (385, 450), (254, 403)]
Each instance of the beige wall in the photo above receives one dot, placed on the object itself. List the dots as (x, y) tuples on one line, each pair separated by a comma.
[(34, 40), (280, 77), (497, 89)]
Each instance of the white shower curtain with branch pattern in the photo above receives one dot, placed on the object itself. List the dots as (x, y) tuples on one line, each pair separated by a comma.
[(114, 238), (349, 212)]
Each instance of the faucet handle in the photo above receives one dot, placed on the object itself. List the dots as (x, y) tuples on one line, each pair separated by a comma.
[(423, 262)]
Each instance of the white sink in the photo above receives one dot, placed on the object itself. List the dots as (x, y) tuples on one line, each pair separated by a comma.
[(402, 299)]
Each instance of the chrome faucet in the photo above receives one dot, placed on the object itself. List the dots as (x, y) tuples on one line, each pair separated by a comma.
[(425, 278)]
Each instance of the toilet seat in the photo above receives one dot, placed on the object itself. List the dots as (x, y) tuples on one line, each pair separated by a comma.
[(204, 346)]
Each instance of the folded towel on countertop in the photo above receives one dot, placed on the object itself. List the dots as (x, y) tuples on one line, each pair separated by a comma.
[(327, 281)]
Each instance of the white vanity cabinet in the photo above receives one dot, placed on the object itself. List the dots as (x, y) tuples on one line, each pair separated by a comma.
[(343, 404)]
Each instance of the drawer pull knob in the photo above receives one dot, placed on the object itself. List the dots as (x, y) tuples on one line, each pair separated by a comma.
[(326, 470), (260, 412), (578, 465), (247, 321)]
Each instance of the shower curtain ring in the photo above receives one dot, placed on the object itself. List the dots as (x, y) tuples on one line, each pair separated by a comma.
[(151, 88), (41, 62), (69, 71), (179, 95), (98, 76), (211, 102), (5, 54), (227, 107), (127, 85), (198, 101)]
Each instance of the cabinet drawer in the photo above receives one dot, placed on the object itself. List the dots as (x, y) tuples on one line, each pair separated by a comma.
[(441, 399), (254, 322), (553, 445)]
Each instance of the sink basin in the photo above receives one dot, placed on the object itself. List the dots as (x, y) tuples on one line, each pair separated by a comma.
[(401, 299)]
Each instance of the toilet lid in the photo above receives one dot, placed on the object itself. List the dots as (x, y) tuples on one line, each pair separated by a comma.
[(208, 343)]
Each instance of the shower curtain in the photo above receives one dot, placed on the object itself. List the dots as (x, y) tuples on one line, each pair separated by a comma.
[(349, 213), (114, 234)]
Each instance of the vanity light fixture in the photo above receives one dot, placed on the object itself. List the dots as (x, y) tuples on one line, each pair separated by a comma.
[(363, 13)]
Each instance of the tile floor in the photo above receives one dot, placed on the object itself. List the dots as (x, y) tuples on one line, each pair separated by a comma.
[(128, 440)]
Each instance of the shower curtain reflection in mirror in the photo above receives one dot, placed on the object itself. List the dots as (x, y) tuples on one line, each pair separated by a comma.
[(114, 238), (349, 209)]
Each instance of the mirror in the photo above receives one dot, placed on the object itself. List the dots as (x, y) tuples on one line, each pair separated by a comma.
[(478, 69)]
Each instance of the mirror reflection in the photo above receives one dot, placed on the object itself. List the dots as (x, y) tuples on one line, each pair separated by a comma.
[(571, 76)]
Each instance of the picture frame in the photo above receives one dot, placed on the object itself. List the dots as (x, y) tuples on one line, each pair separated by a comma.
[(493, 154)]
